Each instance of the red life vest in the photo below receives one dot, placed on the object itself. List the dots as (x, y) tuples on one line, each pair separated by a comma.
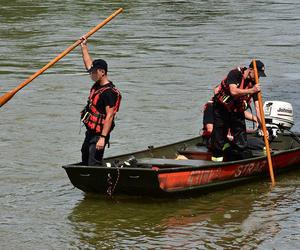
[(91, 116), (234, 104)]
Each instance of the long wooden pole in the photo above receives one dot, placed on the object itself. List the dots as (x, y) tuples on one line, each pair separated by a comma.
[(263, 125), (7, 96)]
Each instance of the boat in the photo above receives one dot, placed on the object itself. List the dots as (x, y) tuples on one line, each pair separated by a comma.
[(185, 167)]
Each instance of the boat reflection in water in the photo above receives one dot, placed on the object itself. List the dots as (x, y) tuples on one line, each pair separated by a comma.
[(245, 214)]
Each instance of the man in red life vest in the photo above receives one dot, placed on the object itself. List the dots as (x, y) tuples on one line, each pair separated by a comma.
[(233, 98), (98, 115)]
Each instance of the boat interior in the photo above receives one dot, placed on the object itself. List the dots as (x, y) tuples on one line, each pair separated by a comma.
[(194, 152)]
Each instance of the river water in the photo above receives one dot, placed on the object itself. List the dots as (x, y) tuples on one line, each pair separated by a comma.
[(165, 57)]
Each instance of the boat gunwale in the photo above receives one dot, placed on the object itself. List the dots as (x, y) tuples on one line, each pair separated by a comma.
[(182, 168)]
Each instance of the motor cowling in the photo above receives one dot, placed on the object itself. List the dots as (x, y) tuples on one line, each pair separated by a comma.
[(278, 116)]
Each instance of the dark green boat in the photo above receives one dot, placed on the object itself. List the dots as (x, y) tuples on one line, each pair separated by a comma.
[(185, 167), (156, 171)]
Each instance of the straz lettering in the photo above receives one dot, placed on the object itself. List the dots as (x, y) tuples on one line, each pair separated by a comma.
[(203, 176), (250, 169)]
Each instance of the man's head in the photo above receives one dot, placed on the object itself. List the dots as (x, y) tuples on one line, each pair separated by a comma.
[(98, 70), (260, 68)]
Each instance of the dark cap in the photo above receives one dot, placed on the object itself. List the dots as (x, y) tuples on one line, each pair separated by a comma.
[(260, 68), (98, 64)]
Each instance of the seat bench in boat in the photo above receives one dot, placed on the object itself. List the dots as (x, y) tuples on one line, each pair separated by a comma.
[(196, 153), (193, 149), (172, 162)]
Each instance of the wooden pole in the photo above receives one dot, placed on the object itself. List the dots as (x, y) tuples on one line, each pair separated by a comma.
[(263, 125), (7, 96)]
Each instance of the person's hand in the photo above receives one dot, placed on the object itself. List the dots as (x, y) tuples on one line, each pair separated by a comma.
[(83, 41), (261, 133), (256, 89), (230, 137), (100, 144)]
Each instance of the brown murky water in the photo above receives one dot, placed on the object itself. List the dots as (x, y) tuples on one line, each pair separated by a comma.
[(165, 56)]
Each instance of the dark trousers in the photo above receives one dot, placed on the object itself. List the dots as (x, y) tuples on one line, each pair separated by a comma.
[(223, 121), (90, 155)]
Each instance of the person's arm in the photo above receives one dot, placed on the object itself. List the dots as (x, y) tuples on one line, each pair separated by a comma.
[(258, 116), (87, 60), (106, 127), (251, 117), (256, 105), (237, 92), (233, 80), (208, 119)]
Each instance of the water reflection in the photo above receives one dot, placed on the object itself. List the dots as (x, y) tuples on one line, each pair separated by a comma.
[(219, 219)]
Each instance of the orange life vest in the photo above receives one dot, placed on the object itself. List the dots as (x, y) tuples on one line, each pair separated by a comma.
[(234, 104), (91, 116)]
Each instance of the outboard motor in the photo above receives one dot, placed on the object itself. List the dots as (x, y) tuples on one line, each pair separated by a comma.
[(279, 116)]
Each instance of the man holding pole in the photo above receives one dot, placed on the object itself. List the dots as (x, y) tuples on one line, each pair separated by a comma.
[(99, 113), (233, 98), (7, 96)]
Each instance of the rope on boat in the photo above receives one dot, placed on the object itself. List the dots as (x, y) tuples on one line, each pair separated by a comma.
[(112, 186), (297, 139), (130, 162)]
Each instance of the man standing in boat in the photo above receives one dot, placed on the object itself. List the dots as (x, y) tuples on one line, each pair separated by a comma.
[(208, 123), (230, 102), (99, 113)]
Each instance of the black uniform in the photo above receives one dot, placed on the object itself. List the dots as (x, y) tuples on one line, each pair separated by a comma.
[(90, 155), (208, 116), (233, 120)]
